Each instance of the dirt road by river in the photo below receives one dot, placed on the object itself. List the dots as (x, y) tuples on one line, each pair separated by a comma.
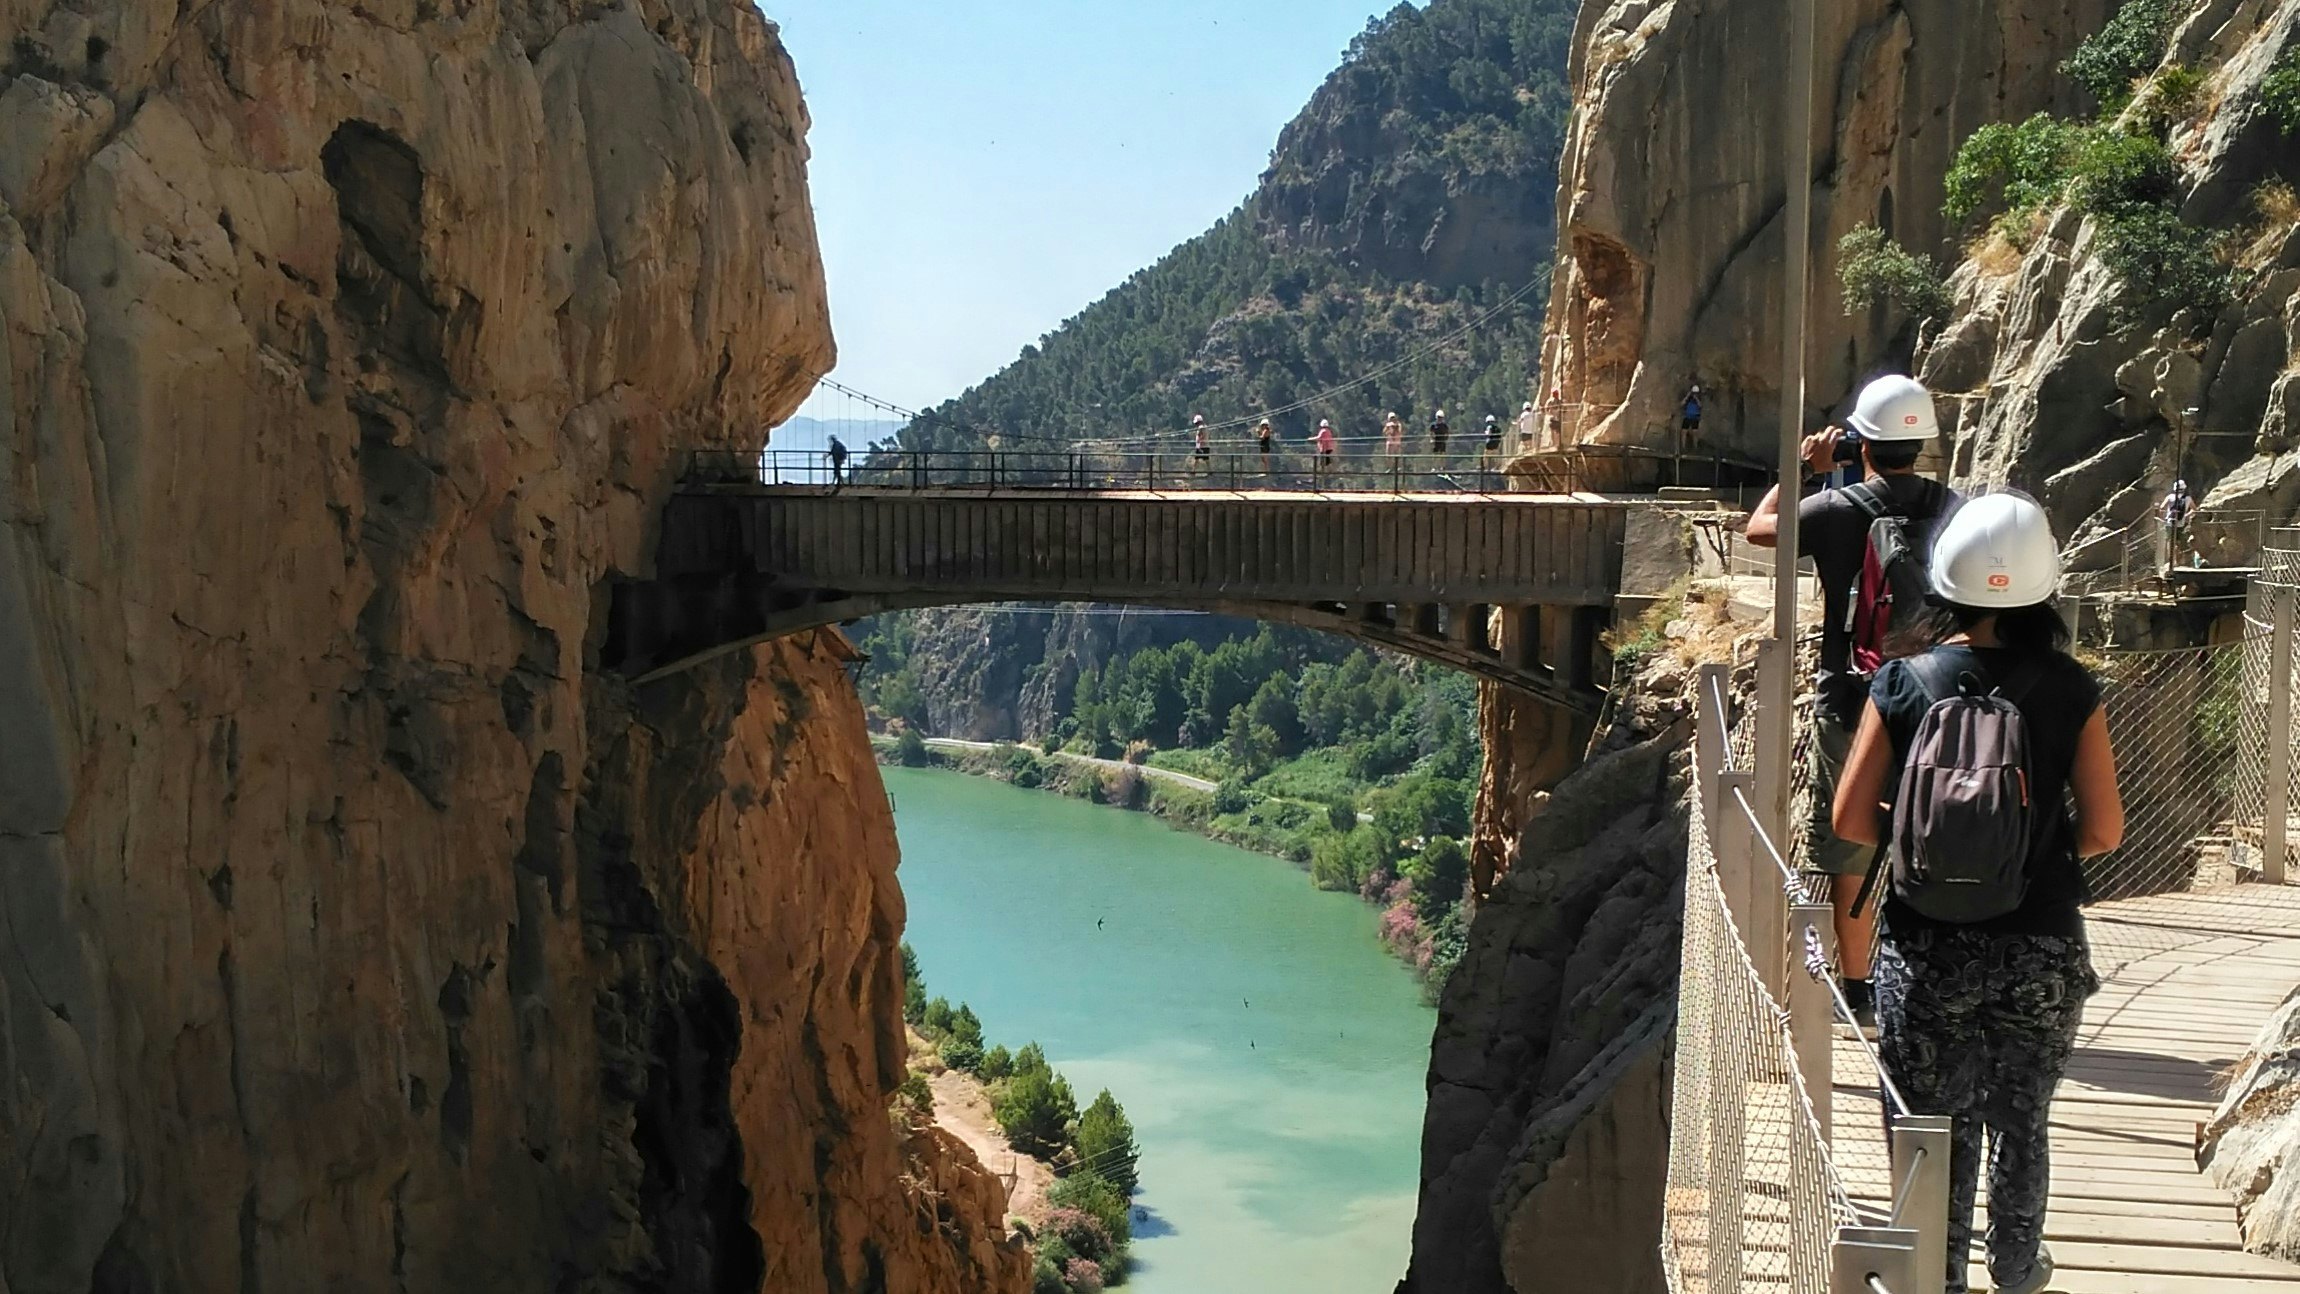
[(963, 1109)]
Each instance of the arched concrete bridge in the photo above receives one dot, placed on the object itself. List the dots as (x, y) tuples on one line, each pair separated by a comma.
[(1421, 574)]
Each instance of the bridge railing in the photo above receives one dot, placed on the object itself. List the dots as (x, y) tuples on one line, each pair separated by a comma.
[(1356, 467)]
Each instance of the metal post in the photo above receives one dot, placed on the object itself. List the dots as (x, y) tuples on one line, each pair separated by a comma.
[(1777, 706), (1709, 738), (2279, 789), (1811, 1014), (1760, 907), (1774, 662), (1921, 1202), (1859, 1253)]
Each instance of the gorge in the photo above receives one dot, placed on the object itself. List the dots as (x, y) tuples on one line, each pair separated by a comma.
[(366, 932)]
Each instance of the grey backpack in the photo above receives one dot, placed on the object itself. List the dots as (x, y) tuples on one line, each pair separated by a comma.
[(1965, 822)]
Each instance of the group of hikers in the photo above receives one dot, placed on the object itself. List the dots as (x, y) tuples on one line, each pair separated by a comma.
[(1961, 776), (1495, 440)]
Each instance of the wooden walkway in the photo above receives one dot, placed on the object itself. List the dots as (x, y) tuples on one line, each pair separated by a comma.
[(2188, 979)]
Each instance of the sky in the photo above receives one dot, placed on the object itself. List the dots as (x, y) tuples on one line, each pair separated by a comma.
[(984, 171)]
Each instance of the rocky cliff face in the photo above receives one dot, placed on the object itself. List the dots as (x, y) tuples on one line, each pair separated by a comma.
[(361, 935), (2058, 380), (1547, 1122), (1671, 190)]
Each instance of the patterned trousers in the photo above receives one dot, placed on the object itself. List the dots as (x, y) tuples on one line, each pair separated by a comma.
[(1979, 1027)]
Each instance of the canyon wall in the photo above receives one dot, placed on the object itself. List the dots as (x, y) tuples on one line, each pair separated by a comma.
[(361, 934), (1670, 193)]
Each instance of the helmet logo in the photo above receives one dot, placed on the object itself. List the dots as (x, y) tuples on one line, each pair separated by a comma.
[(2000, 581), (1909, 421)]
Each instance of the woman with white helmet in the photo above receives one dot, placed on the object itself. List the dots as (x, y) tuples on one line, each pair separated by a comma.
[(1981, 986)]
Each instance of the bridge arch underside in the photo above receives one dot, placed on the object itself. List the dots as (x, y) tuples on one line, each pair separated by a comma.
[(1550, 652)]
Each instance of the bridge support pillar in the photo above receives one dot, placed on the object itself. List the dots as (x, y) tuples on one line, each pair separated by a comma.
[(1461, 625), (1812, 1018)]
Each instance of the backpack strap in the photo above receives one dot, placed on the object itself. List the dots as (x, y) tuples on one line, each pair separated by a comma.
[(1870, 498), (1875, 499)]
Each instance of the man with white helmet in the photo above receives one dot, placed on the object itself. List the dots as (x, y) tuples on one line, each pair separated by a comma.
[(1843, 531), (1982, 966), (1528, 433)]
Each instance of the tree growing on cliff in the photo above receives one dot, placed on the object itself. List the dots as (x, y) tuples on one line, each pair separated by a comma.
[(1874, 270), (1106, 1144), (1035, 1111)]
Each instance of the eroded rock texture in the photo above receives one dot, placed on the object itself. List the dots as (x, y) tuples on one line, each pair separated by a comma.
[(1548, 1086), (359, 936), (1670, 193)]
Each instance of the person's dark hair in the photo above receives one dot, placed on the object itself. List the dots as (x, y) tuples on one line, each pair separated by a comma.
[(1894, 455), (2036, 628)]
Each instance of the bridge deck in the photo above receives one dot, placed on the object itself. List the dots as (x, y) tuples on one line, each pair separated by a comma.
[(2187, 980)]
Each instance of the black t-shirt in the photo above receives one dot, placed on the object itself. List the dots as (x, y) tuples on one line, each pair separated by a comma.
[(2056, 708), (1834, 531)]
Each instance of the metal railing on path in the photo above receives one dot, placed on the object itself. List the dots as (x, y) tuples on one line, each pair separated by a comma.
[(1757, 1192), (1755, 1199), (1466, 468)]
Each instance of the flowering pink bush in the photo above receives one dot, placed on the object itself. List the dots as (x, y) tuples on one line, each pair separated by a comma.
[(1398, 924), (1083, 1276), (1377, 884), (1080, 1230), (1401, 890)]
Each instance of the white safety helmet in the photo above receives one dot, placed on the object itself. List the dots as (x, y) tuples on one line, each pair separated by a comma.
[(1441, 413), (1996, 551), (1529, 406), (1324, 423), (1895, 408)]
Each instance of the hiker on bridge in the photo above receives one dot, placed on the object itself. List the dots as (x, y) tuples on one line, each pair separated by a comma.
[(1265, 440), (838, 455), (1325, 443), (2173, 541), (1492, 436), (1394, 435), (1868, 541), (1438, 433), (1200, 452), (1528, 432), (1982, 964)]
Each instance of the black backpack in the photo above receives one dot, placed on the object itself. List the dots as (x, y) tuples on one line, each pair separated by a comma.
[(1886, 613), (1965, 823)]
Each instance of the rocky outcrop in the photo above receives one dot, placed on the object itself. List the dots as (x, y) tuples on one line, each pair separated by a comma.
[(2056, 378), (1545, 1143), (1670, 193), (2254, 1135), (361, 934)]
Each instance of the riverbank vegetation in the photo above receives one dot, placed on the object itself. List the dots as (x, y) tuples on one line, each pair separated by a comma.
[(1359, 766), (1082, 1235)]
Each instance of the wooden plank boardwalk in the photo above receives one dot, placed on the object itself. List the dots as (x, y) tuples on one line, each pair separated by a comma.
[(2187, 980)]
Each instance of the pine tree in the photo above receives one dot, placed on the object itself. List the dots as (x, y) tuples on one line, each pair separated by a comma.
[(1106, 1144)]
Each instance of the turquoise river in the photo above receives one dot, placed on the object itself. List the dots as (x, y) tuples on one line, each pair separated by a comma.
[(1269, 1052)]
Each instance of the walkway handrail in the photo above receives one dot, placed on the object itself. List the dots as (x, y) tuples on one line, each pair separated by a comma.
[(1358, 466), (1743, 919)]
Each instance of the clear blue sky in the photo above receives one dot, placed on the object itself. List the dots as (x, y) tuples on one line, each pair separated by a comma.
[(984, 171)]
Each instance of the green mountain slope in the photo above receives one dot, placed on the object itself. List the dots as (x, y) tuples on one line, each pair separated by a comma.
[(1406, 222)]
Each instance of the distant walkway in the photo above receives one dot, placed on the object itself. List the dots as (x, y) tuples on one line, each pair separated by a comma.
[(1161, 774)]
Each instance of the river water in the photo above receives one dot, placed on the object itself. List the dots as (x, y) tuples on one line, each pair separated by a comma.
[(1269, 1053)]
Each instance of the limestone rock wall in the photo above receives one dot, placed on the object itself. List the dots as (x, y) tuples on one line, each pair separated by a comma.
[(1670, 192), (2051, 377), (1546, 1132), (360, 936)]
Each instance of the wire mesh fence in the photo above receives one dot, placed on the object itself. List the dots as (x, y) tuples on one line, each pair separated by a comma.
[(1752, 1199)]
